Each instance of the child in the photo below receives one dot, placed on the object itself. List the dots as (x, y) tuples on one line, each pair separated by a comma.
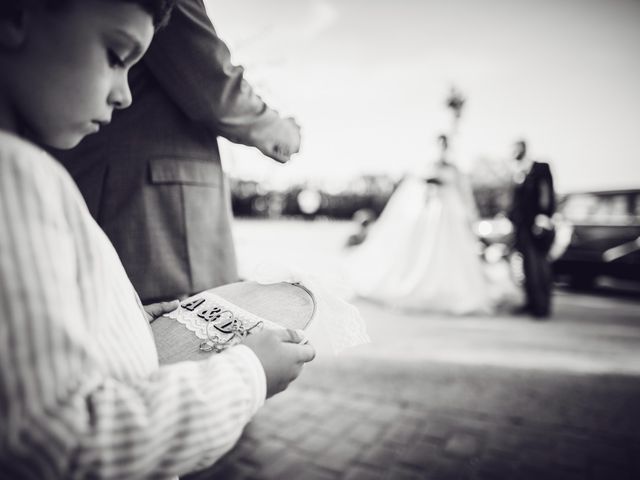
[(81, 392)]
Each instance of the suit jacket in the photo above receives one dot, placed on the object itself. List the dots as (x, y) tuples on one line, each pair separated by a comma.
[(533, 196), (153, 178)]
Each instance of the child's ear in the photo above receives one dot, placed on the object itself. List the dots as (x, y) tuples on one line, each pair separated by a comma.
[(13, 27)]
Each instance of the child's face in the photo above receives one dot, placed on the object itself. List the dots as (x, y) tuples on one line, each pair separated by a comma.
[(71, 71)]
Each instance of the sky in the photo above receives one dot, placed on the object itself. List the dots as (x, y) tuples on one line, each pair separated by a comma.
[(367, 80)]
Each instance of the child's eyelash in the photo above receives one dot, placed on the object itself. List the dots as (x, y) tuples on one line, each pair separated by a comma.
[(114, 60)]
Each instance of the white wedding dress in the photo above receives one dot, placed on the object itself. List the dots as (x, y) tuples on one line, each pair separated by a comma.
[(422, 254)]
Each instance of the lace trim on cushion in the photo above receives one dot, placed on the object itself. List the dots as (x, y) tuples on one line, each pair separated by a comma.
[(220, 323), (200, 312)]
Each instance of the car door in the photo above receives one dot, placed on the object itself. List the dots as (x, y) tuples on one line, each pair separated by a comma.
[(606, 229)]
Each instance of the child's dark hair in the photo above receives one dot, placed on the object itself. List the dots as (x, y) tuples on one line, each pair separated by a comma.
[(158, 9)]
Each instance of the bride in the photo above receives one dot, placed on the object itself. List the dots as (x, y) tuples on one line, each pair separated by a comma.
[(422, 254)]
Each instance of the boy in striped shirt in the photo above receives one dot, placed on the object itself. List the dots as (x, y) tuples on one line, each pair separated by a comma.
[(81, 391)]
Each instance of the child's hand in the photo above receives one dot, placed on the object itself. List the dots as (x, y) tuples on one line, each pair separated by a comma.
[(281, 356), (155, 310)]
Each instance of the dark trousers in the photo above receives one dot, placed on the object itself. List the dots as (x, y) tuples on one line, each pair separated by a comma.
[(538, 276)]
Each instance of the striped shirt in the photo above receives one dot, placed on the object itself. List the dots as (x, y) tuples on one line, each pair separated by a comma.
[(81, 391)]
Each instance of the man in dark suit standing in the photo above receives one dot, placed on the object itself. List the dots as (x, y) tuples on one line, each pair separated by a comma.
[(531, 212), (153, 178)]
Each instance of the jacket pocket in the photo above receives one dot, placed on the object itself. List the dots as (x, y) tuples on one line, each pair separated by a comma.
[(185, 172)]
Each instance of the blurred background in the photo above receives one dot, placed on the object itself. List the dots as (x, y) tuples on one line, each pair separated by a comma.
[(367, 80), (437, 396), (369, 83)]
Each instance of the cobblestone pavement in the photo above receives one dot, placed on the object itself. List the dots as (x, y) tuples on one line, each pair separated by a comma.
[(364, 417), (442, 398)]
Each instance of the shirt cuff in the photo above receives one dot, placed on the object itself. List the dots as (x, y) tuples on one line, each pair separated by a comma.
[(257, 377)]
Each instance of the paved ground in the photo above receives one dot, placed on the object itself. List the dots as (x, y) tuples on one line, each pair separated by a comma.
[(439, 397)]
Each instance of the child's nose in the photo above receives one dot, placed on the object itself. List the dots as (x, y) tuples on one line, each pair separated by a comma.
[(120, 96)]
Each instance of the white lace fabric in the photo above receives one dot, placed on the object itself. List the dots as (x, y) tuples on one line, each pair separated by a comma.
[(336, 320), (198, 325)]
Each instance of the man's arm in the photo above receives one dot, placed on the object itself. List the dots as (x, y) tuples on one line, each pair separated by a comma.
[(546, 201), (193, 65), (546, 194)]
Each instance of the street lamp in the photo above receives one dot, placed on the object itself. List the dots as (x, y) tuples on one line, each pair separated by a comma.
[(455, 101)]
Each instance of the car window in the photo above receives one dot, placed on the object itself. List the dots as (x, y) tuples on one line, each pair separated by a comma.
[(578, 208), (610, 209)]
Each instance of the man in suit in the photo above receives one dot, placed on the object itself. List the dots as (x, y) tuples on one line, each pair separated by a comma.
[(531, 212), (153, 178)]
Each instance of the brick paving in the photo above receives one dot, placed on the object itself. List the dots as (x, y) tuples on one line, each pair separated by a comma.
[(341, 421), (443, 398)]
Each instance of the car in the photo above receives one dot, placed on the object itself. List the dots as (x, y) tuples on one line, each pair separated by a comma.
[(605, 237)]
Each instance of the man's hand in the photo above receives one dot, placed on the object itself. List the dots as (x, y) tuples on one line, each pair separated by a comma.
[(281, 354), (285, 143), (540, 224), (155, 310)]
